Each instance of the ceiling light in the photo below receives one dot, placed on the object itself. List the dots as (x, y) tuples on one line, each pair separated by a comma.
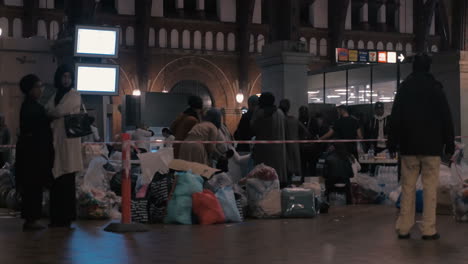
[(340, 90), (333, 96), (136, 92), (313, 92), (240, 98)]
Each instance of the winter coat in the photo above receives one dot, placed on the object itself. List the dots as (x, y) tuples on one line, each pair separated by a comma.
[(205, 131), (68, 158), (182, 126)]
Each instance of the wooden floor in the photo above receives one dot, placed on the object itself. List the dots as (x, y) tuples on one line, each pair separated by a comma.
[(350, 235)]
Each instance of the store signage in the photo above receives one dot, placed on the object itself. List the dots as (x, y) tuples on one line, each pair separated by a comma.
[(368, 56)]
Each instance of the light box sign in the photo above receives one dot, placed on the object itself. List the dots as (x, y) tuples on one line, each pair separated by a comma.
[(368, 56), (93, 41)]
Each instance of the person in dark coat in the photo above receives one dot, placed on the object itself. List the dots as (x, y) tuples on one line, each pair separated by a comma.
[(34, 152), (244, 130), (339, 171), (421, 126), (268, 124)]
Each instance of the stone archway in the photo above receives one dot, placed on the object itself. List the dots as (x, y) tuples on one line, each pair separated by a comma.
[(197, 69), (194, 88)]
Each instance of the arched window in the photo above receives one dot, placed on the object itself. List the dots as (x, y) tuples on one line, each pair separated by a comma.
[(54, 30), (370, 45), (313, 46), (231, 45), (197, 40), (151, 37), (350, 44), (162, 38), (409, 48), (17, 28), (4, 26), (252, 43), (360, 45), (41, 29), (389, 46), (174, 39), (186, 39), (209, 40), (220, 41), (434, 48), (380, 46), (323, 47), (130, 36), (399, 46), (260, 43)]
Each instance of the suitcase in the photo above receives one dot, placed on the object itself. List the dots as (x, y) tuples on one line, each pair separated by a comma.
[(297, 203)]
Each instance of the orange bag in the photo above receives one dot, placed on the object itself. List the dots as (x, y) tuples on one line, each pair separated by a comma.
[(207, 208)]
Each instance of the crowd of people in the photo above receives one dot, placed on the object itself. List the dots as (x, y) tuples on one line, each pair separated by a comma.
[(420, 128)]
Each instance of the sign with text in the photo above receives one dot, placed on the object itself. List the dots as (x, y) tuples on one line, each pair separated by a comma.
[(368, 56)]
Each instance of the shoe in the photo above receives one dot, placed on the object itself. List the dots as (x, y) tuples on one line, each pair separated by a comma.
[(404, 237), (33, 226), (433, 237)]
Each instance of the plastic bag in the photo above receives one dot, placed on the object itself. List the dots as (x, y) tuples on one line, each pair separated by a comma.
[(264, 198), (337, 199), (298, 202), (261, 172), (96, 176), (218, 181), (207, 208), (459, 185), (228, 203)]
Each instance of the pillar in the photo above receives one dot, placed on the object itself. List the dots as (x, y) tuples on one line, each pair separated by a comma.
[(284, 73)]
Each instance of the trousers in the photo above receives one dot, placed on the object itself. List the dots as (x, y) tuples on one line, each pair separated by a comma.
[(411, 167)]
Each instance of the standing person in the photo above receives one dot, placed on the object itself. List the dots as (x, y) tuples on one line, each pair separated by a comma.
[(34, 153), (5, 139), (204, 131), (94, 137), (143, 136), (346, 127), (168, 137), (186, 121), (338, 171), (244, 130), (268, 124), (68, 159), (223, 135), (292, 127), (421, 125), (379, 126)]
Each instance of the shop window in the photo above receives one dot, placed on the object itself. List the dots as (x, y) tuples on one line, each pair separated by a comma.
[(315, 89), (17, 28), (385, 82), (162, 38), (335, 88), (197, 40), (209, 40), (186, 39), (174, 39), (359, 86)]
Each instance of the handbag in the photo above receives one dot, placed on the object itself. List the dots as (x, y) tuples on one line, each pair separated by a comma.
[(78, 125)]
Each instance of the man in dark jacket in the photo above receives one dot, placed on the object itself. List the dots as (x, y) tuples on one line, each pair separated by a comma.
[(244, 130), (421, 126)]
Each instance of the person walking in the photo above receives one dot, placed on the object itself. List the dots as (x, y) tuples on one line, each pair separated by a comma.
[(5, 139), (204, 131), (68, 159), (186, 121), (244, 129), (421, 127), (269, 124), (34, 153)]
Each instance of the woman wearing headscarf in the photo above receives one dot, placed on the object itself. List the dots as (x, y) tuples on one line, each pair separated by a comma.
[(68, 160), (268, 124), (34, 152), (292, 130), (204, 131)]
